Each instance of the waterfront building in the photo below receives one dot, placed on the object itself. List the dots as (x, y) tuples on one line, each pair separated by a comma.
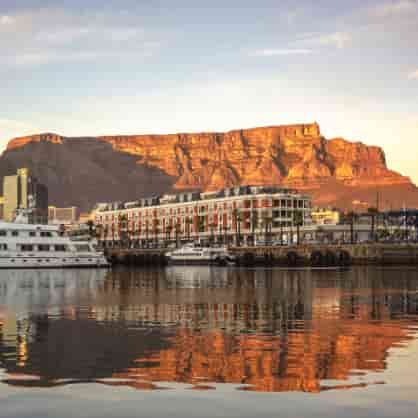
[(23, 191), (63, 216), (242, 214), (325, 216)]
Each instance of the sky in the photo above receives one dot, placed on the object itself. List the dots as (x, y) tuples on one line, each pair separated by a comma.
[(95, 67)]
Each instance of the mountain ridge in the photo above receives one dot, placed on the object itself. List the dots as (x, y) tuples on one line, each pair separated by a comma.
[(294, 155)]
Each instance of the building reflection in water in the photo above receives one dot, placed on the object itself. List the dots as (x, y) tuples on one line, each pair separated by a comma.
[(267, 330)]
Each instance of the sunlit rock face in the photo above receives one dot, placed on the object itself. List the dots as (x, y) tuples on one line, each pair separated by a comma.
[(336, 171)]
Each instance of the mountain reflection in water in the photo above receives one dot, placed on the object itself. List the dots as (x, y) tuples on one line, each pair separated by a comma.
[(263, 329)]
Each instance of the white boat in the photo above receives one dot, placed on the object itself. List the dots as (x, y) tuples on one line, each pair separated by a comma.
[(192, 254), (44, 246)]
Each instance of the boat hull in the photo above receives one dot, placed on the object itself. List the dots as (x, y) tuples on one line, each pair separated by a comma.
[(52, 262), (200, 262)]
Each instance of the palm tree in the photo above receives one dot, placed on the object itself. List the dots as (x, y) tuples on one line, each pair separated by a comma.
[(254, 224), (266, 221), (237, 222), (177, 232), (352, 217), (298, 220), (98, 232), (146, 233), (113, 234), (212, 226), (105, 233), (168, 230), (373, 213), (90, 225), (155, 231), (122, 226), (189, 223)]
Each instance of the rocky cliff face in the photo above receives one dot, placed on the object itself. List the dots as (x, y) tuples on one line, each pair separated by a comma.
[(292, 155)]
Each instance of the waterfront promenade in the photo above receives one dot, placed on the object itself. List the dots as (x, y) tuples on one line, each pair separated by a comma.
[(315, 255)]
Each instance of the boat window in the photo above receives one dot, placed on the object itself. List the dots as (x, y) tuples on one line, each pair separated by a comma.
[(32, 233), (82, 247), (43, 247), (46, 234), (3, 247), (59, 247), (3, 233), (26, 247), (15, 233)]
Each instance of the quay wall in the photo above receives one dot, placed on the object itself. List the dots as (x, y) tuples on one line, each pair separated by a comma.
[(302, 255)]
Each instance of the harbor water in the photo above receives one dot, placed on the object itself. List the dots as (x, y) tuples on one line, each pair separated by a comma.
[(209, 342)]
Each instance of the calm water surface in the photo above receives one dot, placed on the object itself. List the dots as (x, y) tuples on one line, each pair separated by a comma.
[(209, 342)]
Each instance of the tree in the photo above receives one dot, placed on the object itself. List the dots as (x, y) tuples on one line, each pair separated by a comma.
[(113, 234), (212, 226), (122, 226), (254, 223), (237, 222), (146, 233), (298, 220), (90, 225), (189, 223), (352, 217), (168, 231), (177, 233), (155, 230), (266, 221), (373, 213)]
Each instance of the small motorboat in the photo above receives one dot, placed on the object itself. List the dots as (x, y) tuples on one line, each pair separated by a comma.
[(194, 254)]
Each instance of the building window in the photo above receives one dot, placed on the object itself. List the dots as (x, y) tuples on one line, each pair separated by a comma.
[(15, 233), (32, 233), (3, 233), (43, 247), (26, 247), (59, 247)]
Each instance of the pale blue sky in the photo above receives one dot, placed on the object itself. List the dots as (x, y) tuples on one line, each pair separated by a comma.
[(92, 67)]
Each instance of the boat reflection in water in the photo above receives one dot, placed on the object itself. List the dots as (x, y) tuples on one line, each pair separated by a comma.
[(262, 329)]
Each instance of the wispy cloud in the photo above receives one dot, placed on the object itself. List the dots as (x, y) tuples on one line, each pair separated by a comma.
[(6, 20), (285, 51), (394, 8), (413, 75), (43, 36), (338, 40)]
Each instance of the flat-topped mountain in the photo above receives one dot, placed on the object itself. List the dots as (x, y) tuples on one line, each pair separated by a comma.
[(83, 171)]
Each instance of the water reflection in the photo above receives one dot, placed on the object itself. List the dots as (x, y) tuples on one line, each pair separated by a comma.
[(266, 330)]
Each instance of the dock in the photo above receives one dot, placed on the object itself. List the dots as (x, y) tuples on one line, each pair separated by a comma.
[(302, 255)]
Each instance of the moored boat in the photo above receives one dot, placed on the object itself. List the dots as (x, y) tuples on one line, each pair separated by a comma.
[(45, 246), (193, 254)]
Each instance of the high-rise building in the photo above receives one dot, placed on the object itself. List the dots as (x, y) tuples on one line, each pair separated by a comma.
[(23, 191)]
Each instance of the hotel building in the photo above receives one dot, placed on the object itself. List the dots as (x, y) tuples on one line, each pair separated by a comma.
[(240, 214)]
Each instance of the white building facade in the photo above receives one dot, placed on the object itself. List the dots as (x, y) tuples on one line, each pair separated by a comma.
[(242, 214)]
